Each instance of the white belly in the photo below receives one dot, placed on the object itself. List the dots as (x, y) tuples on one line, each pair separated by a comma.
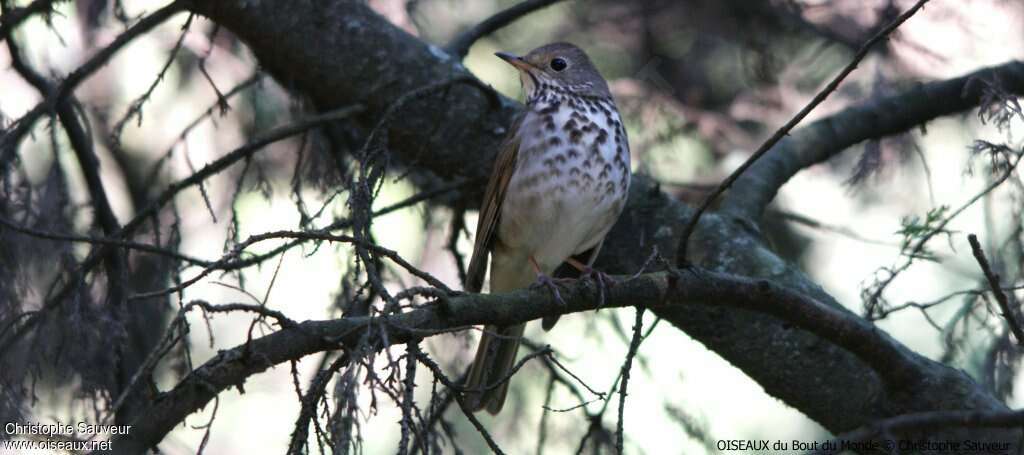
[(567, 192)]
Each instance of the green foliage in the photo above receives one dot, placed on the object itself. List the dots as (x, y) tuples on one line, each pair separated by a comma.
[(917, 231)]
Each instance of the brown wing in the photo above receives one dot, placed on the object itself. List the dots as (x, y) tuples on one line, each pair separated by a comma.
[(490, 208)]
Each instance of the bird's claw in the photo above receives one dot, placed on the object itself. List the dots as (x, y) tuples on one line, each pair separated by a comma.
[(601, 279), (551, 284)]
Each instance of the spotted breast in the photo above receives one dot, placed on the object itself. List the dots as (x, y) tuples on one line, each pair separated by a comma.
[(571, 176)]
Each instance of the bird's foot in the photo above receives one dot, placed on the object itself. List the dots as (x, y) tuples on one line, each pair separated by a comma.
[(602, 280), (544, 281)]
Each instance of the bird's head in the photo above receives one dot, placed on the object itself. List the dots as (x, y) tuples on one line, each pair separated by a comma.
[(559, 65)]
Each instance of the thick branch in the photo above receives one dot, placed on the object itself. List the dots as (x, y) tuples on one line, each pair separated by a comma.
[(461, 44), (873, 119), (684, 290), (932, 421), (358, 56)]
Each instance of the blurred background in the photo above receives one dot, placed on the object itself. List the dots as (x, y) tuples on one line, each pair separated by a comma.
[(701, 83)]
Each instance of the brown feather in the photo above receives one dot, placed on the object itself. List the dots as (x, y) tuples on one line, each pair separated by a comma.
[(490, 208), (494, 354), (495, 357)]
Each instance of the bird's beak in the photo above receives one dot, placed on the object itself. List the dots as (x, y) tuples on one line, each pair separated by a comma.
[(514, 60)]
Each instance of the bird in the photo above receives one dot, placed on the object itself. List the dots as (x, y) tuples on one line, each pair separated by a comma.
[(559, 183)]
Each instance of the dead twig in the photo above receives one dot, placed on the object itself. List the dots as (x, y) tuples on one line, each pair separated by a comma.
[(997, 290)]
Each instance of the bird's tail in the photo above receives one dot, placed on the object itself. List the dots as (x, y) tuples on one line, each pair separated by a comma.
[(487, 383)]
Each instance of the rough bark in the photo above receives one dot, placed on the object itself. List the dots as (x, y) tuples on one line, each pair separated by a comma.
[(665, 292)]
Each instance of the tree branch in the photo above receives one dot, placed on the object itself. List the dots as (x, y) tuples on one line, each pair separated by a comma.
[(997, 290), (685, 290), (873, 119), (88, 162), (452, 133), (126, 244), (933, 421), (12, 18), (634, 345), (100, 249), (459, 46), (784, 130), (13, 135)]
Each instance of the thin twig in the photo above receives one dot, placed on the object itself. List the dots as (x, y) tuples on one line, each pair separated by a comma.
[(127, 244), (596, 428), (438, 407), (11, 137), (872, 298), (76, 128), (15, 16), (135, 108), (542, 432), (94, 257), (555, 362), (997, 290), (154, 171), (309, 403), (439, 375), (634, 345), (304, 235), (235, 264), (247, 150), (408, 401), (173, 334)]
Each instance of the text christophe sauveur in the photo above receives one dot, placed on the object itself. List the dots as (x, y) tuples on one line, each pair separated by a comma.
[(80, 436)]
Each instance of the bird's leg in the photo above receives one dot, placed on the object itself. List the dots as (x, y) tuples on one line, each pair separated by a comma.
[(546, 281), (600, 278)]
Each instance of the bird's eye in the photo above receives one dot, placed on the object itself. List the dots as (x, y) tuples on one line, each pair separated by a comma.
[(558, 64)]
